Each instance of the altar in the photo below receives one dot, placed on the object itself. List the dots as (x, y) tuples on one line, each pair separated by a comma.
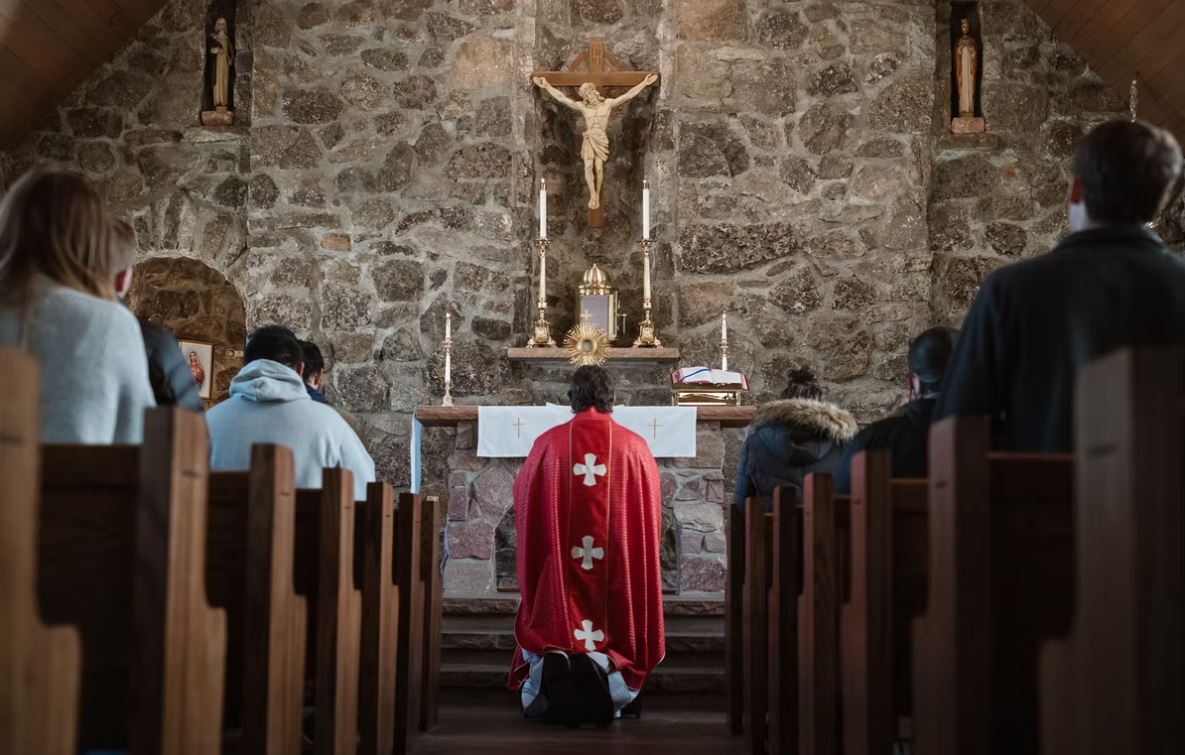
[(480, 546)]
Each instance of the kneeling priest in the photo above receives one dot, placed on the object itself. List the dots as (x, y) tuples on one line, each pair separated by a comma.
[(588, 508)]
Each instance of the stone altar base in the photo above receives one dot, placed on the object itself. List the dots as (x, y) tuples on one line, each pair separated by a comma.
[(480, 528)]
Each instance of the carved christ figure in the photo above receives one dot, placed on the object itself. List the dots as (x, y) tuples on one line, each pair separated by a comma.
[(966, 60), (222, 50), (594, 151)]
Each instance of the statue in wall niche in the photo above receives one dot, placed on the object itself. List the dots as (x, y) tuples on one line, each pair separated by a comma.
[(594, 150), (966, 65), (222, 59)]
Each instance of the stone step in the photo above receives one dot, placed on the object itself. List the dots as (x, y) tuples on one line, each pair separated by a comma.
[(492, 672), (697, 635), (506, 604)]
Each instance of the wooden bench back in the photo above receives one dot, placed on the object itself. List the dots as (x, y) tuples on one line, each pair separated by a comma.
[(755, 623), (40, 666), (784, 589), (408, 575), (1000, 577), (249, 573), (734, 646), (888, 563), (122, 557), (1118, 683)]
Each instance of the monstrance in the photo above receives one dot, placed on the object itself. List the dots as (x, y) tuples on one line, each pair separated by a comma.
[(597, 302)]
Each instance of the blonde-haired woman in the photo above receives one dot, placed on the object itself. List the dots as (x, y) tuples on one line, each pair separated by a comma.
[(58, 302)]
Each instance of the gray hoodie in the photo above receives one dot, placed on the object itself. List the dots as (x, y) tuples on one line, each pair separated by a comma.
[(269, 404)]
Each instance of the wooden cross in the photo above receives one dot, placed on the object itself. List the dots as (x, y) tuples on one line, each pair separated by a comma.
[(518, 426), (654, 428), (590, 66), (596, 66)]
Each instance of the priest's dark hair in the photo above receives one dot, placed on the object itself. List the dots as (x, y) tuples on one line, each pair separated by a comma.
[(274, 342), (929, 355), (1126, 169), (802, 384), (591, 388)]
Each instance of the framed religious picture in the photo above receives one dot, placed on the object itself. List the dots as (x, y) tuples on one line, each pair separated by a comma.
[(199, 355)]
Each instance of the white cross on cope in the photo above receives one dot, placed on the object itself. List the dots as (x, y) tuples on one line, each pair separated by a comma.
[(587, 553), (588, 636), (590, 469)]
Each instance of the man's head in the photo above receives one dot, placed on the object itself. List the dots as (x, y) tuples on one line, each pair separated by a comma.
[(123, 255), (588, 92), (277, 343), (592, 388), (1123, 171), (314, 364), (929, 355)]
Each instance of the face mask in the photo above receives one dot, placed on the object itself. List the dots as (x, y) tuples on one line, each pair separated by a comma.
[(1078, 217)]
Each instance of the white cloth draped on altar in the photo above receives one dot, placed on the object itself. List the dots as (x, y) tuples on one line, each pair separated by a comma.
[(510, 431)]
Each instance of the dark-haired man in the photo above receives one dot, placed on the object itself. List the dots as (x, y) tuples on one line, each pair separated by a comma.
[(906, 434), (1109, 284), (314, 371), (269, 404), (588, 508)]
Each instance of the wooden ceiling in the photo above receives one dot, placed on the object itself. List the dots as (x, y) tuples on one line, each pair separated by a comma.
[(1126, 39), (48, 47)]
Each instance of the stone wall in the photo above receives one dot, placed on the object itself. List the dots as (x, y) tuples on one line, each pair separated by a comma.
[(386, 155)]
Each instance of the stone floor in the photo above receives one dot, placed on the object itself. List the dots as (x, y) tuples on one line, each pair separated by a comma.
[(493, 726)]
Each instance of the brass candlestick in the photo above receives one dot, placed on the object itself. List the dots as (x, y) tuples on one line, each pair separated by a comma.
[(542, 335), (646, 330), (448, 361)]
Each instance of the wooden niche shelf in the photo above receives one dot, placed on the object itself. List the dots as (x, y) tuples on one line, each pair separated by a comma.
[(557, 354)]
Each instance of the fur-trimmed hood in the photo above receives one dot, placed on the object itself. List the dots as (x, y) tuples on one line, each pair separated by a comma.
[(816, 418)]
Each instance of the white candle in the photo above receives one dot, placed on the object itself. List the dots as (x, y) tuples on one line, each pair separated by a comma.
[(543, 208), (724, 327), (448, 351), (645, 209)]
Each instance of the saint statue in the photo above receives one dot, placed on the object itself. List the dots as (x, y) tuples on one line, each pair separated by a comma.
[(594, 151), (223, 52), (966, 61)]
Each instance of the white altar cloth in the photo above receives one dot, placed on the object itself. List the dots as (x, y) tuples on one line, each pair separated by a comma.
[(510, 431)]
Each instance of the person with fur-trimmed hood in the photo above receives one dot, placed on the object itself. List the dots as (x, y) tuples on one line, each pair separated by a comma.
[(791, 438)]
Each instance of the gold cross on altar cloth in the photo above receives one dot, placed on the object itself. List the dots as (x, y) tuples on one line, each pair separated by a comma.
[(601, 68), (518, 426), (654, 428)]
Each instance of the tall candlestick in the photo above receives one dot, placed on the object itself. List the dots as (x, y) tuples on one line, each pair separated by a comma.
[(646, 334), (645, 209), (542, 336), (448, 360), (543, 208), (724, 341)]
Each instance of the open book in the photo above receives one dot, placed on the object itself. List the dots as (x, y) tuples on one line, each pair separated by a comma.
[(706, 376)]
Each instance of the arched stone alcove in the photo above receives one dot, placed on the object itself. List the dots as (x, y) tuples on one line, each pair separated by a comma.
[(196, 303)]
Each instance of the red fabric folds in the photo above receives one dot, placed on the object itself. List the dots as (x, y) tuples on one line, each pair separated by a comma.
[(588, 510)]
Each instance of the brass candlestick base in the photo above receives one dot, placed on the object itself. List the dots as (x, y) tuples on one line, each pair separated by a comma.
[(542, 335), (724, 354), (647, 336)]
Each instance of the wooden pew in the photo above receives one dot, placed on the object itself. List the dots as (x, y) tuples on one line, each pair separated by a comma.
[(734, 646), (249, 573), (755, 625), (887, 592), (784, 589), (1000, 579), (825, 525), (1116, 685), (328, 577), (40, 666), (121, 555), (380, 616), (409, 655), (432, 588)]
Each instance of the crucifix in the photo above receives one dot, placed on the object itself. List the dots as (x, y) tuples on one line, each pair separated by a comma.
[(518, 426), (591, 69)]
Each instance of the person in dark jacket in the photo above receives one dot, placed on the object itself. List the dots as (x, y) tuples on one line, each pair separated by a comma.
[(314, 370), (906, 434), (790, 438), (168, 370), (1109, 284)]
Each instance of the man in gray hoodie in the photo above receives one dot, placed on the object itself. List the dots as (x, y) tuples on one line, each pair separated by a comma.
[(269, 404)]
